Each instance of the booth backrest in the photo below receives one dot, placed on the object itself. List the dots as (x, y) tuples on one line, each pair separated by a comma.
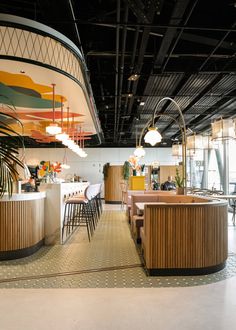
[(182, 199), (160, 192), (141, 199), (133, 192)]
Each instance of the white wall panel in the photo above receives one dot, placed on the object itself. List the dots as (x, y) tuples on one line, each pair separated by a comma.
[(90, 168)]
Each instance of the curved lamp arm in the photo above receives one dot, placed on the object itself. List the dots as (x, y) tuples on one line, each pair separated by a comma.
[(182, 129), (151, 121)]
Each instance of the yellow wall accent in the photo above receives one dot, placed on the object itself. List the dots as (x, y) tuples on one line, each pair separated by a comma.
[(137, 183)]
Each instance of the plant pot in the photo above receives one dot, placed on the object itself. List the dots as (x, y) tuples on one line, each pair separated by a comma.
[(180, 191)]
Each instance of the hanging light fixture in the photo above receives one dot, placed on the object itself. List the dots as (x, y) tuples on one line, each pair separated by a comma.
[(62, 136), (207, 142), (194, 142), (53, 128), (152, 136), (139, 152), (67, 141), (64, 164), (223, 129), (177, 150), (80, 142)]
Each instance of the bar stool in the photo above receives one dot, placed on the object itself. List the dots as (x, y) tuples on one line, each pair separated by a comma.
[(93, 207), (75, 214), (81, 210)]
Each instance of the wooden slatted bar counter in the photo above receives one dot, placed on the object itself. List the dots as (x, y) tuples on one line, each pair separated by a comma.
[(185, 236), (21, 224)]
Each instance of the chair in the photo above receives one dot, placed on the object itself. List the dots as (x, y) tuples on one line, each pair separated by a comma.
[(232, 203), (123, 187)]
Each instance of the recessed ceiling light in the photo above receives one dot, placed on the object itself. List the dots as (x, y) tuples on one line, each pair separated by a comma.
[(134, 77), (142, 103)]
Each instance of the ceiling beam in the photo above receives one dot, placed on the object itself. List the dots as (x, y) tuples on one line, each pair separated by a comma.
[(196, 99), (202, 40), (176, 18)]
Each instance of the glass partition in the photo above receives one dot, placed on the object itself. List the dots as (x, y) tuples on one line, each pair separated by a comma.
[(232, 166)]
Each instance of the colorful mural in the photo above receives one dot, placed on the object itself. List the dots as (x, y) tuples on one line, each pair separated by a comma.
[(32, 104), (21, 91)]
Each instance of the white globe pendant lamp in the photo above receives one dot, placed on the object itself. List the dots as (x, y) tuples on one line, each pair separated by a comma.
[(152, 136), (139, 152)]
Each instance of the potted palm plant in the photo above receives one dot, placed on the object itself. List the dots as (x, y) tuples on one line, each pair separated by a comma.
[(179, 181), (105, 170), (126, 170), (9, 153)]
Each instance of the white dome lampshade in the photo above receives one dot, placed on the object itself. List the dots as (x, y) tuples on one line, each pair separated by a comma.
[(139, 152), (152, 136), (53, 129)]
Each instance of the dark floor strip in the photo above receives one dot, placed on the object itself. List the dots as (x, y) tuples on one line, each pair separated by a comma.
[(76, 272)]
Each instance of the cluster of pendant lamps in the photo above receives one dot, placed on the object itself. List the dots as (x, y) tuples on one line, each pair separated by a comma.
[(223, 129), (56, 130)]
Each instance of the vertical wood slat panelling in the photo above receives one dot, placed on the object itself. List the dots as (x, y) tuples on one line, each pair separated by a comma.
[(21, 224), (182, 236), (112, 184)]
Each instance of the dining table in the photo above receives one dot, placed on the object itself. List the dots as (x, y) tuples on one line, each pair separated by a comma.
[(141, 206), (228, 198)]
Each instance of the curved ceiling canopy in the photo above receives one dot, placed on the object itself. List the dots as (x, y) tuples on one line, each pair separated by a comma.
[(31, 62)]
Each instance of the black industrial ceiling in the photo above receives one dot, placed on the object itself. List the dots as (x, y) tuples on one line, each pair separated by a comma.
[(184, 49)]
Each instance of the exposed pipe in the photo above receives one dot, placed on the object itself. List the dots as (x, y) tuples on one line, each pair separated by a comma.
[(179, 36), (117, 66), (122, 60), (76, 27), (215, 48), (161, 26), (131, 71), (132, 61)]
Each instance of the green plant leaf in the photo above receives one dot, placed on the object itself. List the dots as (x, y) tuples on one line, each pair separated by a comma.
[(9, 153)]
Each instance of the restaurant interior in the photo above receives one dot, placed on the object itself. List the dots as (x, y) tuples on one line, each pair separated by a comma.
[(117, 164)]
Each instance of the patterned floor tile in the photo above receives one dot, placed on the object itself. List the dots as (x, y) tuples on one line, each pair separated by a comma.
[(110, 260)]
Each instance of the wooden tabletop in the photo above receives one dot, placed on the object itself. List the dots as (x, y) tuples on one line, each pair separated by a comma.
[(224, 196), (141, 206)]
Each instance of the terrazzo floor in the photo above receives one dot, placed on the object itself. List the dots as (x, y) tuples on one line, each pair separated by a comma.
[(110, 260)]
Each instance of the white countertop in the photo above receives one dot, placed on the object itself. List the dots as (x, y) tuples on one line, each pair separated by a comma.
[(24, 196)]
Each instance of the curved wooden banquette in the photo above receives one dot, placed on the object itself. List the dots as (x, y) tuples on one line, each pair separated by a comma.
[(21, 224), (184, 235)]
